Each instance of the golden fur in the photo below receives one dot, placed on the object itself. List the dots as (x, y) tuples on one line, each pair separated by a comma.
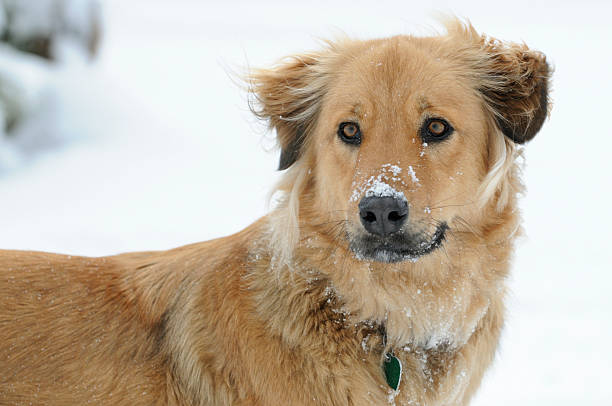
[(284, 312)]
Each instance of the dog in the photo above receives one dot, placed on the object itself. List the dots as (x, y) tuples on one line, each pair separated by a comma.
[(378, 277)]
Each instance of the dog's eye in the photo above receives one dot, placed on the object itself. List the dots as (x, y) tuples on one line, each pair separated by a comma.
[(435, 129), (350, 133)]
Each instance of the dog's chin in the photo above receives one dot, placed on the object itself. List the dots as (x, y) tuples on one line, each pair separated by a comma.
[(398, 247)]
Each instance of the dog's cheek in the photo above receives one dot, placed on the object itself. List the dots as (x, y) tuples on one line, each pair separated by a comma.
[(333, 174), (451, 179)]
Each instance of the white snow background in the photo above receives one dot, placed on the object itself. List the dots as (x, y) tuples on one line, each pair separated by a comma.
[(152, 146)]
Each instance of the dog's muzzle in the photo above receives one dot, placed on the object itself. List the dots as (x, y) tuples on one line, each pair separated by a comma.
[(388, 237)]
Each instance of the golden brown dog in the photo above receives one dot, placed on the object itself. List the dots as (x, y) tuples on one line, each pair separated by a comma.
[(389, 249)]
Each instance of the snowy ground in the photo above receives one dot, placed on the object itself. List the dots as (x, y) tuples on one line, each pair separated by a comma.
[(153, 147)]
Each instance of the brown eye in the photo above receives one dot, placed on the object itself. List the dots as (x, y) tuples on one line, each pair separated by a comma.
[(350, 130), (350, 133), (435, 129)]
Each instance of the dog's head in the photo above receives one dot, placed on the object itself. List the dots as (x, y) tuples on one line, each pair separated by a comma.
[(403, 139)]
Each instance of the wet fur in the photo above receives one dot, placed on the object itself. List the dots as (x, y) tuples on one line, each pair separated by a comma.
[(284, 312)]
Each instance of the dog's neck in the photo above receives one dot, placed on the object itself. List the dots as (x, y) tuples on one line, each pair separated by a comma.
[(434, 302)]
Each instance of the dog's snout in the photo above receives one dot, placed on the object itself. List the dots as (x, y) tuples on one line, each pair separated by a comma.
[(383, 215)]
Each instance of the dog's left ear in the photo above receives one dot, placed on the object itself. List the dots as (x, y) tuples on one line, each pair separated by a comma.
[(289, 96), (515, 81)]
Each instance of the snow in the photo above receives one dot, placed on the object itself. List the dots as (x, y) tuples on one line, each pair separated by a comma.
[(412, 174), (379, 188), (3, 22), (135, 143), (28, 20), (391, 395), (395, 170), (376, 185), (364, 344)]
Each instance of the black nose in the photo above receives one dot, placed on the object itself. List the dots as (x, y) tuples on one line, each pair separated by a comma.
[(383, 215)]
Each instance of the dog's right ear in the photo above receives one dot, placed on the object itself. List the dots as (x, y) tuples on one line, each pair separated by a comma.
[(289, 96)]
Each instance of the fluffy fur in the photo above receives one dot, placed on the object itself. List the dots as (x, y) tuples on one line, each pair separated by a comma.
[(285, 312)]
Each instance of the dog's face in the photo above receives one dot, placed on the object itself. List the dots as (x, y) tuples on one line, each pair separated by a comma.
[(400, 134), (399, 143)]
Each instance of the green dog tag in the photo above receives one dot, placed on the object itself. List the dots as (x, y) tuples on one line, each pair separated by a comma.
[(393, 370)]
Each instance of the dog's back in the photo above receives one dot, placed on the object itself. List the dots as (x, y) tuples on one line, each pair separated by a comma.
[(69, 330), (141, 328)]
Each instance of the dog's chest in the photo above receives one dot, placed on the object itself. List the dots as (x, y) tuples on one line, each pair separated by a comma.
[(437, 321), (370, 379), (423, 317)]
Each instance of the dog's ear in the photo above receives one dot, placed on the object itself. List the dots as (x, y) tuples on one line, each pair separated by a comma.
[(289, 96), (513, 79), (518, 89)]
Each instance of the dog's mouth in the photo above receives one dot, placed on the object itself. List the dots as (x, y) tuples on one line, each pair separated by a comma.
[(398, 247)]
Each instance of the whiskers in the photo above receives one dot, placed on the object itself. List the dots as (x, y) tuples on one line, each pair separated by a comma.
[(438, 205), (326, 236), (332, 226)]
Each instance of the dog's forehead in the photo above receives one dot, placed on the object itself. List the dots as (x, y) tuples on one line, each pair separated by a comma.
[(401, 72)]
